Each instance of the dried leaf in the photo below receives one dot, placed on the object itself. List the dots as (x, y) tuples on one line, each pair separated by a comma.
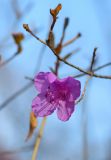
[(33, 125), (18, 37)]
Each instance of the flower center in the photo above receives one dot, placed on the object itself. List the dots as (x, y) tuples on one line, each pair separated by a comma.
[(49, 95), (56, 95), (62, 95)]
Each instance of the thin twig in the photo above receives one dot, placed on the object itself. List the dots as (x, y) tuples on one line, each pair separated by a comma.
[(29, 78), (38, 140), (91, 70), (64, 61), (84, 114), (16, 94), (66, 22), (8, 60), (59, 47), (84, 91), (67, 56), (93, 59), (57, 66), (26, 27), (72, 40), (94, 70), (80, 69)]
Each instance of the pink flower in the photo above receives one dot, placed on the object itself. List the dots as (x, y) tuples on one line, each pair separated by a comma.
[(55, 94)]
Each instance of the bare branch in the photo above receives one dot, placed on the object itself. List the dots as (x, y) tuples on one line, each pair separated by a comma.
[(72, 40), (91, 70), (94, 70), (66, 62), (26, 27)]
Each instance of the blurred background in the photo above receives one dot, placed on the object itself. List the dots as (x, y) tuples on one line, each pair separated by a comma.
[(87, 135)]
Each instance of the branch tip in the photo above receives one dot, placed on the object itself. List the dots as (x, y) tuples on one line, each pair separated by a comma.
[(26, 27)]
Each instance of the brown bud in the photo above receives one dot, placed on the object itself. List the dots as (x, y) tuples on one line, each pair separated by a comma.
[(26, 27), (54, 12)]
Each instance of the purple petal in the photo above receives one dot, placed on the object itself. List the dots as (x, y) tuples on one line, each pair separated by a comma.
[(69, 86), (64, 110), (41, 107), (42, 80), (75, 87)]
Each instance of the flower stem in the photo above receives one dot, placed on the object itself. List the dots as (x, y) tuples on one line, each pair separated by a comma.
[(38, 140)]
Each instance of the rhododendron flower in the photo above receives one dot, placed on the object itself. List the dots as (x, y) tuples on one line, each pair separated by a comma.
[(55, 94)]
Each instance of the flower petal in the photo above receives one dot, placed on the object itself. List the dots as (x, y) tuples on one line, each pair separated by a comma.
[(64, 110), (75, 87), (68, 86), (41, 107), (43, 80)]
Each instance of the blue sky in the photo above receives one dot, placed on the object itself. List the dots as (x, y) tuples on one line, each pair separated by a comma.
[(92, 19)]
